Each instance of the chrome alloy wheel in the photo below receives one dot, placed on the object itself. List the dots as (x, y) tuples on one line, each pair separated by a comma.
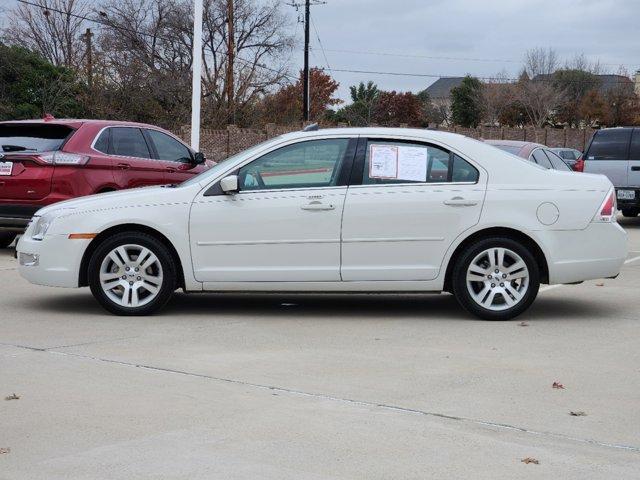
[(131, 275), (497, 279)]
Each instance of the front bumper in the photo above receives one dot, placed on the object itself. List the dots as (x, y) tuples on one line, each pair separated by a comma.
[(53, 262), (598, 251)]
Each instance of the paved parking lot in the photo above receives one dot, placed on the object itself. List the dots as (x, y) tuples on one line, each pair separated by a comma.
[(314, 387)]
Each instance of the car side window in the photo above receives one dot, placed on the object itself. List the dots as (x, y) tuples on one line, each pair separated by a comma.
[(102, 142), (169, 148), (389, 162), (634, 153), (540, 158), (313, 163), (557, 162), (128, 142), (609, 145)]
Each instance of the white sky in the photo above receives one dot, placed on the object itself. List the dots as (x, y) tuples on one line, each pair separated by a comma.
[(606, 30)]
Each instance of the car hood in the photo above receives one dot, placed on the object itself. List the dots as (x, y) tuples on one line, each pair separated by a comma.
[(121, 198)]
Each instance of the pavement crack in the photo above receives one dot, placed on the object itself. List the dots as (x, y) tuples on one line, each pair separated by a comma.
[(50, 349), (362, 403)]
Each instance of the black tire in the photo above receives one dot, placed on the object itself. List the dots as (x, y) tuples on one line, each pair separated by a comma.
[(6, 238), (169, 272), (459, 279), (630, 212)]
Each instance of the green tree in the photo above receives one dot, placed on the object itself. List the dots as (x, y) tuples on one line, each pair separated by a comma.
[(30, 86), (574, 85), (364, 99), (466, 102)]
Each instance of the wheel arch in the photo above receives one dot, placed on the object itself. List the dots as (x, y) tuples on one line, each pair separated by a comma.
[(83, 280), (512, 233)]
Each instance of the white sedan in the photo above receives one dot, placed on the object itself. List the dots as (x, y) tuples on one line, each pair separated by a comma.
[(338, 210)]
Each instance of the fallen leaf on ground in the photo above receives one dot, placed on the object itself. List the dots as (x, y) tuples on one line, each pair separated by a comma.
[(530, 460), (558, 385), (523, 324), (13, 396), (600, 284), (4, 450), (577, 414)]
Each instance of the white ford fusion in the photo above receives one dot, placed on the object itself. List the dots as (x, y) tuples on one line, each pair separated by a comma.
[(339, 210)]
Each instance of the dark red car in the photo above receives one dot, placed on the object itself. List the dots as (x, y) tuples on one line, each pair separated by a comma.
[(46, 161)]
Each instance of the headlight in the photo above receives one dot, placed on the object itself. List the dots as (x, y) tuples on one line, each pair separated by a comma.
[(41, 226)]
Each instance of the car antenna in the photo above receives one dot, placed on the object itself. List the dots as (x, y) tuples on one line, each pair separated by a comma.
[(311, 127)]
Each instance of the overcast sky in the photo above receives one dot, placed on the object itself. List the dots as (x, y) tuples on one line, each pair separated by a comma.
[(499, 30)]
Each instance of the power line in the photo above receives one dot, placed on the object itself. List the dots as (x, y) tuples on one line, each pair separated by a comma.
[(139, 32), (321, 47)]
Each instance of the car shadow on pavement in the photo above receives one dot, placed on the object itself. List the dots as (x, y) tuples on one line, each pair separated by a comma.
[(325, 307)]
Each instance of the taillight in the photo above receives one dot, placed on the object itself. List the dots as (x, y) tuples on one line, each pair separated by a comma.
[(607, 209), (579, 165), (64, 158)]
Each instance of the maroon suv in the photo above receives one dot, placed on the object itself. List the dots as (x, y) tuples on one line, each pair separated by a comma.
[(46, 161)]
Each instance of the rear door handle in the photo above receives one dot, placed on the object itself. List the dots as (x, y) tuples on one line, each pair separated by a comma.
[(124, 166), (635, 168), (460, 202), (318, 206), (171, 170)]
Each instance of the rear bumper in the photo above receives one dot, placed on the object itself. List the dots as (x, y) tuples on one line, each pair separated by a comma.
[(16, 217), (598, 251), (628, 203)]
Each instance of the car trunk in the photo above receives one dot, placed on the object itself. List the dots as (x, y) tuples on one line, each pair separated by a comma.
[(24, 175)]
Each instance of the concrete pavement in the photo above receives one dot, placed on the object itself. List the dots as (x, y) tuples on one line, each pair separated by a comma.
[(300, 386)]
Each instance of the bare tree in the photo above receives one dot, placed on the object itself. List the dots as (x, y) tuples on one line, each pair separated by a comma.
[(52, 29), (539, 99), (582, 63), (540, 61), (498, 94)]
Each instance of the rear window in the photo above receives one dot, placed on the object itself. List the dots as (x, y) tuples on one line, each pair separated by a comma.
[(509, 149), (557, 162), (32, 137), (609, 145)]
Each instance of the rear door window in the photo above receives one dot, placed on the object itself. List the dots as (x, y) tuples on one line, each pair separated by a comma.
[(33, 137), (541, 159), (128, 142), (610, 145), (634, 152), (557, 162)]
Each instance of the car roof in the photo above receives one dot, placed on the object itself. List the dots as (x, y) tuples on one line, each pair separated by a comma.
[(77, 122)]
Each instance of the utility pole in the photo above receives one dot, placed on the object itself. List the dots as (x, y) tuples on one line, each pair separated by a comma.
[(305, 88), (86, 36), (195, 75), (230, 61)]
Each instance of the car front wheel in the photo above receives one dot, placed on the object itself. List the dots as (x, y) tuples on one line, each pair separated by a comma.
[(132, 273), (496, 279)]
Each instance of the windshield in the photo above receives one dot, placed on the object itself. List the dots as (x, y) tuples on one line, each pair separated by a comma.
[(32, 137), (222, 165)]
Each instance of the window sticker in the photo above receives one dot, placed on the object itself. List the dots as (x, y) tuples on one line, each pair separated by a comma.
[(412, 164), (383, 161)]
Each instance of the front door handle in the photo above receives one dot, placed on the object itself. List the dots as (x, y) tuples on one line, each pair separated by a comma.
[(124, 166), (318, 206), (460, 202), (635, 168)]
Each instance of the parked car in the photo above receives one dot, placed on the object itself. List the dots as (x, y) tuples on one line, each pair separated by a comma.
[(46, 161), (338, 210), (569, 155), (615, 152), (534, 152)]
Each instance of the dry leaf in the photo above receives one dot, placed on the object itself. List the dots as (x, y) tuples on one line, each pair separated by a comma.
[(13, 396), (523, 324), (600, 284), (578, 414), (4, 450), (558, 385), (530, 460)]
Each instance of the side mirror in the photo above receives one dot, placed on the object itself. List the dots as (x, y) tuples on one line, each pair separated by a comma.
[(198, 158), (229, 184)]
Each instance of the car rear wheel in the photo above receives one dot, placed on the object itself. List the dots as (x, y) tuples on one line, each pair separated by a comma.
[(6, 238), (496, 279), (132, 273), (630, 212)]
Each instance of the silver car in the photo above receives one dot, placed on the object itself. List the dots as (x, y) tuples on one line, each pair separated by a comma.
[(569, 155)]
